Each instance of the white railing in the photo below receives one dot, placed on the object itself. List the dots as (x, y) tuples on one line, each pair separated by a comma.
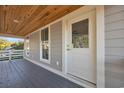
[(11, 54)]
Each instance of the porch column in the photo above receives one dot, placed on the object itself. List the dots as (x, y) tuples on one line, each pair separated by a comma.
[(100, 46)]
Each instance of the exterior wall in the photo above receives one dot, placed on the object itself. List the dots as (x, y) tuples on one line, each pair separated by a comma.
[(34, 47), (55, 46), (114, 46)]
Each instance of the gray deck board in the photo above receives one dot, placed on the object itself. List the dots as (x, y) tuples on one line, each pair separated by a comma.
[(24, 74)]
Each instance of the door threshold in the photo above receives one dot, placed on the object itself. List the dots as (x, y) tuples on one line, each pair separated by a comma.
[(82, 80)]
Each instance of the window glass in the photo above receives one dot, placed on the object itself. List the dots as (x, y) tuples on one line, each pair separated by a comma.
[(44, 34), (80, 38), (45, 43)]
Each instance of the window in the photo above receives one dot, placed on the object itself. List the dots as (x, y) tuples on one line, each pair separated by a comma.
[(80, 37), (27, 47), (45, 43)]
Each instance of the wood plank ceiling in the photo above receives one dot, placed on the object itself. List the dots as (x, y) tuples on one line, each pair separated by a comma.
[(21, 20)]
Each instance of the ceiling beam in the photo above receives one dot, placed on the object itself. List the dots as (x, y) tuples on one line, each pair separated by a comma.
[(10, 35)]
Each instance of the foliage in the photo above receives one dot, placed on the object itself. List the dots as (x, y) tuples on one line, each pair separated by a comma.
[(18, 45), (4, 44)]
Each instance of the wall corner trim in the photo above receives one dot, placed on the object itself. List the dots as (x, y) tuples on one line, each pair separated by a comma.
[(100, 46)]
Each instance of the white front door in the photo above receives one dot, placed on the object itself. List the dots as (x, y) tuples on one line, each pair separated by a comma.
[(81, 47)]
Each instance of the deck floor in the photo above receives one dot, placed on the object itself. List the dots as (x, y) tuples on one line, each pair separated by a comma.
[(24, 74)]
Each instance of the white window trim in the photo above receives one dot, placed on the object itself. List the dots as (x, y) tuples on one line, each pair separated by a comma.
[(27, 50), (100, 46), (41, 59)]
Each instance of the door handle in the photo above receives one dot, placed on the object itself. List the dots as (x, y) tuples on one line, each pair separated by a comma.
[(68, 49)]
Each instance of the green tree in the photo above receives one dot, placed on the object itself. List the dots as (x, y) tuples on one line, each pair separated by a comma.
[(18, 45), (4, 43)]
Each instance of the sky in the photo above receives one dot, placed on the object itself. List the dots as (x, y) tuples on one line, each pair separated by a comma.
[(11, 39)]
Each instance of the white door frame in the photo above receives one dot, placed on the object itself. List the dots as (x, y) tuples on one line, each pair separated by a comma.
[(100, 39), (100, 46), (90, 51)]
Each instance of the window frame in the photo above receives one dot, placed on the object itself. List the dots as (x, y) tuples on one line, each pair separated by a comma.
[(27, 46), (78, 19), (83, 34), (41, 52)]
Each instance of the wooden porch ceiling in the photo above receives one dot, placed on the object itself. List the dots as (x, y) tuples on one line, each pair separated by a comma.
[(21, 20)]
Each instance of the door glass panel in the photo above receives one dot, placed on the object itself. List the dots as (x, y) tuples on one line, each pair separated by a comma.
[(80, 38), (45, 43), (45, 51)]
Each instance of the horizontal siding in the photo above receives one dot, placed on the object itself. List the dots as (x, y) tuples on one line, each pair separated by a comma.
[(56, 45), (114, 51), (115, 17), (34, 46), (115, 34), (114, 43), (114, 46), (114, 59), (114, 26), (114, 71), (114, 9)]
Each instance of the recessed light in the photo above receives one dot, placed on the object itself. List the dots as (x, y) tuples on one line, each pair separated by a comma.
[(16, 21)]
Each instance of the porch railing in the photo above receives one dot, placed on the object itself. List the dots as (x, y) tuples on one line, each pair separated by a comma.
[(11, 54)]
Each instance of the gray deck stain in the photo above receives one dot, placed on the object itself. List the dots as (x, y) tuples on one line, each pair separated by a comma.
[(21, 73)]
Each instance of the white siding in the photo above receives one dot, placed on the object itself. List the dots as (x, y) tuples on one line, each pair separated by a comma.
[(56, 45), (114, 46)]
